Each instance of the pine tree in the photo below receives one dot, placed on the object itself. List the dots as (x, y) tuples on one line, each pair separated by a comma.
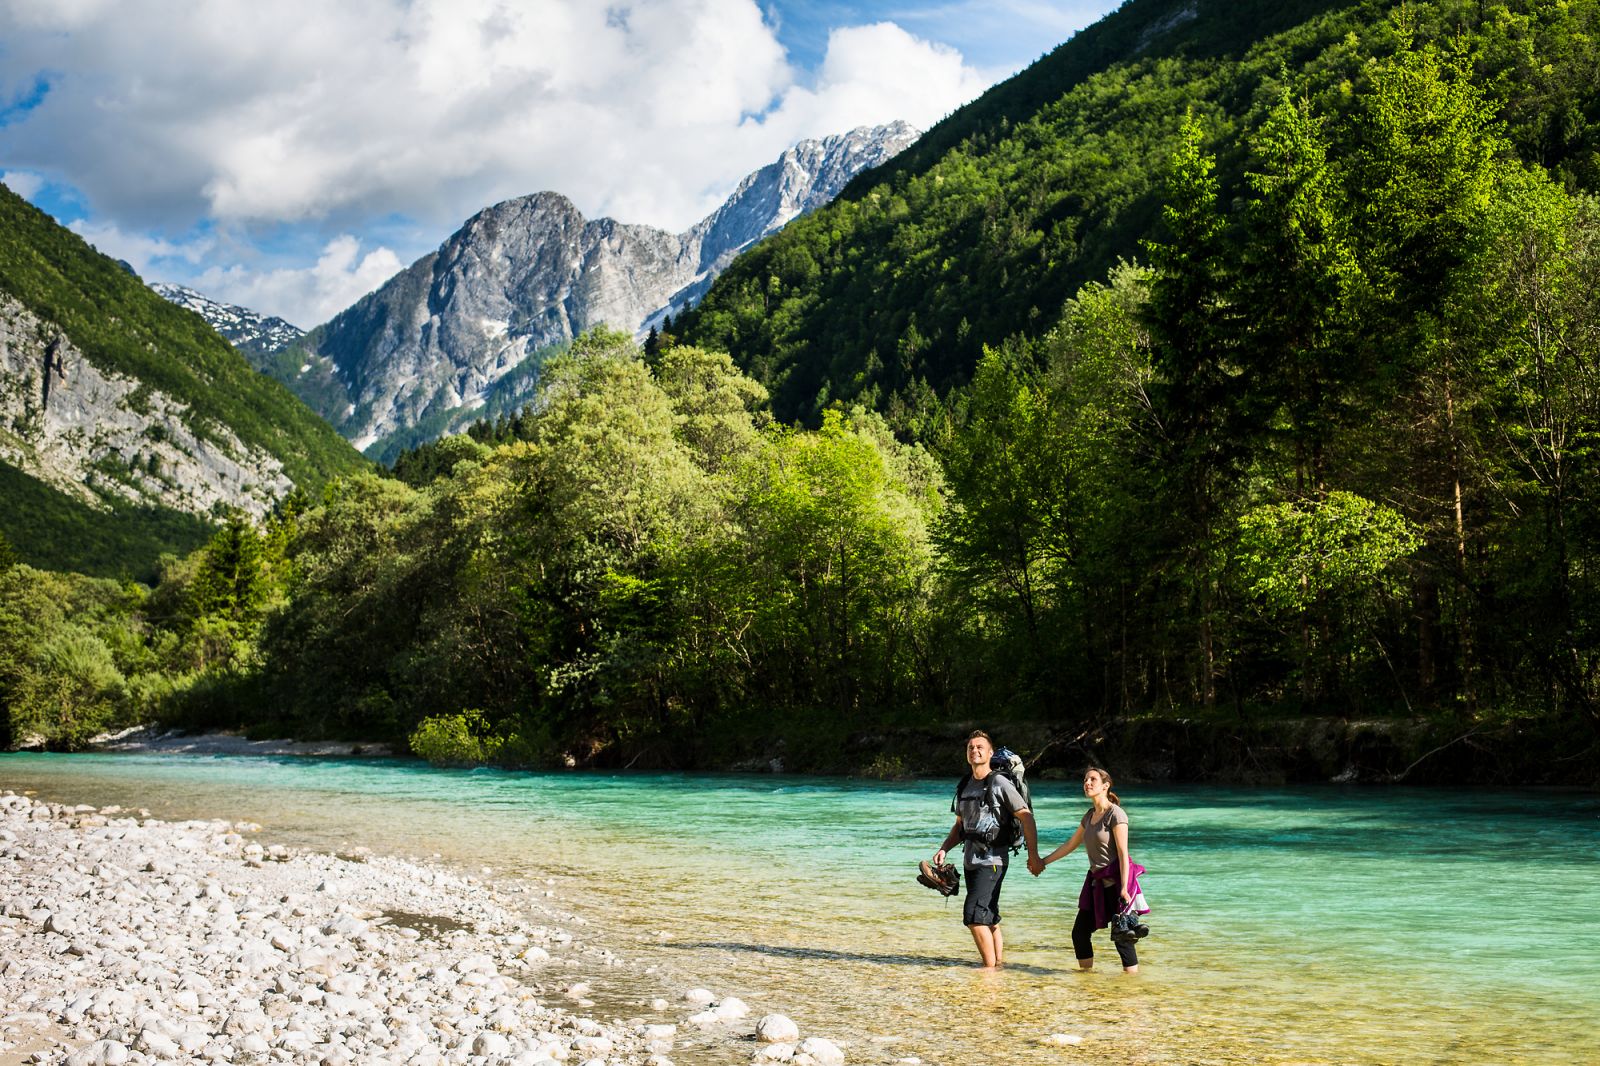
[(1195, 391), (232, 582), (1296, 279)]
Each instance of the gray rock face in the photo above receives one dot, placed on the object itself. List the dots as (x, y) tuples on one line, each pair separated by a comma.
[(247, 330), (465, 327), (96, 435)]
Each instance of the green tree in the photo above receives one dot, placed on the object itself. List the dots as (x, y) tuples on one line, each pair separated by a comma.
[(1194, 390), (840, 557), (1429, 164), (1008, 525), (1296, 280)]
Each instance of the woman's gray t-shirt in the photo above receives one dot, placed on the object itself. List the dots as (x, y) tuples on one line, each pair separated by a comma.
[(970, 805), (1098, 843)]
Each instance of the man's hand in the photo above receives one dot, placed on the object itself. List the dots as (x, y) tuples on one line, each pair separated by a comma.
[(1035, 865), (938, 857)]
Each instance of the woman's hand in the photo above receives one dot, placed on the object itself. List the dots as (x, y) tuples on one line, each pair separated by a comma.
[(1125, 897), (1036, 865)]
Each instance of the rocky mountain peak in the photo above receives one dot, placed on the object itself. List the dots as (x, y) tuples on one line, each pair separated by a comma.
[(460, 333), (800, 180)]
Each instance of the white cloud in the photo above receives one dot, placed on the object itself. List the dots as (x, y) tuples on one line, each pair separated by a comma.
[(875, 74), (305, 296), (25, 183), (142, 251), (300, 123), (166, 112)]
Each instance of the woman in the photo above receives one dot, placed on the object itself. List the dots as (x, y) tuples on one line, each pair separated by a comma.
[(1113, 880)]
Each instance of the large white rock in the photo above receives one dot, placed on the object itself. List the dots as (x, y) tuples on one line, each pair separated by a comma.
[(490, 1043), (825, 1052), (699, 997), (593, 1046), (99, 1053), (731, 1009), (777, 1029), (158, 1045)]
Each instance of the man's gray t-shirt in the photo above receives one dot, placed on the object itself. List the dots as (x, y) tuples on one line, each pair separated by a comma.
[(970, 805)]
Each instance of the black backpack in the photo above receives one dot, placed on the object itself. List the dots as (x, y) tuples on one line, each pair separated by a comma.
[(1008, 764)]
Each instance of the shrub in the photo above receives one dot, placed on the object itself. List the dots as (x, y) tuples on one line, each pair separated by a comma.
[(460, 739)]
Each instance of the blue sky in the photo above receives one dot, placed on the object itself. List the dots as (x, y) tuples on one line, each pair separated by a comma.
[(292, 155)]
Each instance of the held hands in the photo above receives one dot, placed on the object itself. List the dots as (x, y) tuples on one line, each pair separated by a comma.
[(1036, 865)]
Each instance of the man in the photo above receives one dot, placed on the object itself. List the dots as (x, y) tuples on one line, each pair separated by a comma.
[(984, 807)]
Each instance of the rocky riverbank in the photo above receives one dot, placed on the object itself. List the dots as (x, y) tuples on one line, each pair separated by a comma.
[(154, 740), (128, 940)]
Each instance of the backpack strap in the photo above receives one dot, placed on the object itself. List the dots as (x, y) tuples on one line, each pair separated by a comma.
[(955, 804)]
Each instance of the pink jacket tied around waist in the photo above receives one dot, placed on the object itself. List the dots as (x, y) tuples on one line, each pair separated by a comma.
[(1092, 899)]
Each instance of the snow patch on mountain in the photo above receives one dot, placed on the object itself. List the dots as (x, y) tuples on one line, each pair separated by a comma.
[(245, 329)]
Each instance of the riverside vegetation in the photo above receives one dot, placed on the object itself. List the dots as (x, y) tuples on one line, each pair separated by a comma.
[(1322, 444)]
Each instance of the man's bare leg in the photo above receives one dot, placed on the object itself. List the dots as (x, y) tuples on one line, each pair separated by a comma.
[(984, 937), (999, 947), (1086, 964)]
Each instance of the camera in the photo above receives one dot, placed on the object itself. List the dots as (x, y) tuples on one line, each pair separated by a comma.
[(1126, 928)]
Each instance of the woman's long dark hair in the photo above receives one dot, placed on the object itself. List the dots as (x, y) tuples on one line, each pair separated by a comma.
[(1110, 795)]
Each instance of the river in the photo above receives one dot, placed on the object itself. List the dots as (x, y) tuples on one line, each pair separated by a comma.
[(1294, 925)]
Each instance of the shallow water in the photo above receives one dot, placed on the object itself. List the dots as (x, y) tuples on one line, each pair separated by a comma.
[(1308, 925)]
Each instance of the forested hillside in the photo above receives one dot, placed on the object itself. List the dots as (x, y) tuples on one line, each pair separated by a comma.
[(155, 399), (982, 229)]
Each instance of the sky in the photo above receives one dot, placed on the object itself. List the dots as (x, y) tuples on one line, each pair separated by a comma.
[(292, 155)]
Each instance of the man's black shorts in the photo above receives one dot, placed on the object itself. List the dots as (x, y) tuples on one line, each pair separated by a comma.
[(983, 895)]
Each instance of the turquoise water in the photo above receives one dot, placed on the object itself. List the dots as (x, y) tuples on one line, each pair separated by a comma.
[(1307, 925)]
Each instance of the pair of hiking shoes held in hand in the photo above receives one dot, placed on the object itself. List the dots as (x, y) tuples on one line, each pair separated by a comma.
[(943, 878)]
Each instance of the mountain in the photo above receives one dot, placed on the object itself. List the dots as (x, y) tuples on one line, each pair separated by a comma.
[(119, 409), (249, 331), (462, 331), (984, 228)]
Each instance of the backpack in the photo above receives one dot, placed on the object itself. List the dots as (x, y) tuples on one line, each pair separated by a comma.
[(1008, 764)]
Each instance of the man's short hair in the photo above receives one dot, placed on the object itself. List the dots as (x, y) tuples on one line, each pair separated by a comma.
[(976, 733)]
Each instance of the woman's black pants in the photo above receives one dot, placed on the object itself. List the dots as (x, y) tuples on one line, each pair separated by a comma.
[(1083, 929)]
